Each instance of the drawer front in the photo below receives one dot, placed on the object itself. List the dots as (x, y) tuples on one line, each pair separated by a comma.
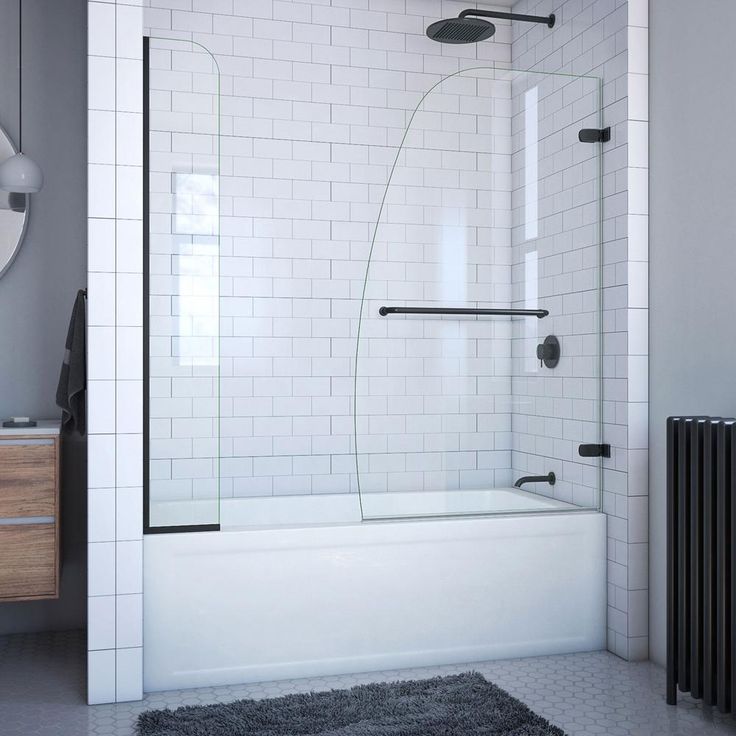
[(27, 478), (27, 561)]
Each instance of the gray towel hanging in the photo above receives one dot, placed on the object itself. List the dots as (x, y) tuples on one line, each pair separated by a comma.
[(71, 391)]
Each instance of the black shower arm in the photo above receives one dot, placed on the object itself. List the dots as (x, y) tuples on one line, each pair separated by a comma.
[(549, 20)]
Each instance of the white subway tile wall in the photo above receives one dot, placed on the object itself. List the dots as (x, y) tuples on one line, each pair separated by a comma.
[(114, 287), (608, 38), (555, 235), (314, 102)]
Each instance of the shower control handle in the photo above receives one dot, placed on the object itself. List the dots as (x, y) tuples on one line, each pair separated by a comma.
[(548, 352)]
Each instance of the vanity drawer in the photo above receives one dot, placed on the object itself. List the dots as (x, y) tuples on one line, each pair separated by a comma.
[(28, 470), (27, 561)]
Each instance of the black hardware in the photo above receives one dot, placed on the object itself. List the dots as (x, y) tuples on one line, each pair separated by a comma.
[(548, 352), (548, 20), (594, 450), (550, 478), (595, 135), (383, 311)]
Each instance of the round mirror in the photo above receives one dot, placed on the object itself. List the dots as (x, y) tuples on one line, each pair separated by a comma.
[(13, 213)]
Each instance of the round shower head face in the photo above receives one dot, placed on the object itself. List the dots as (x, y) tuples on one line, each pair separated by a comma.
[(461, 30)]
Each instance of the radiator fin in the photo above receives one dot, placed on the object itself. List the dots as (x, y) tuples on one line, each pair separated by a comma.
[(701, 559)]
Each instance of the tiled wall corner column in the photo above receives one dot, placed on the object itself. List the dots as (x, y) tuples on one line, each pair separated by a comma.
[(115, 592), (637, 320), (608, 39)]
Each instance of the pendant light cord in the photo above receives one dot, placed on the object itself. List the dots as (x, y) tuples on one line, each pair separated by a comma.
[(20, 76)]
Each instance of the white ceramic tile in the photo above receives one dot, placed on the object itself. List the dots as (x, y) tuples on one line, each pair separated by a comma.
[(101, 190), (101, 622), (100, 29), (638, 472), (129, 31), (129, 520), (638, 13), (638, 378), (101, 83), (101, 568), (101, 461), (129, 675), (101, 515), (638, 88), (638, 240), (129, 191), (638, 47), (101, 352), (101, 137), (129, 138), (129, 407), (129, 460), (101, 676), (129, 292), (129, 619), (130, 246), (638, 143), (638, 285), (638, 191), (129, 353), (129, 567), (638, 520), (129, 85), (101, 244), (101, 407), (101, 299)]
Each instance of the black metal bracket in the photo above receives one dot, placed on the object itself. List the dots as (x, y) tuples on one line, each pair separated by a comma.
[(595, 135), (594, 450), (550, 478), (548, 20)]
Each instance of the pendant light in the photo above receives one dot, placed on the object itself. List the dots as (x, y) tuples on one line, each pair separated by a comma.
[(20, 173)]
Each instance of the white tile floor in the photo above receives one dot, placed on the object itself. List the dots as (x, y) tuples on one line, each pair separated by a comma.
[(42, 692)]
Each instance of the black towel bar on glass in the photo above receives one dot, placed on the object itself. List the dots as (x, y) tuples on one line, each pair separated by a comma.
[(383, 311)]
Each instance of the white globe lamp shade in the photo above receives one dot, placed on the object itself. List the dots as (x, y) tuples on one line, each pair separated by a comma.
[(20, 173)]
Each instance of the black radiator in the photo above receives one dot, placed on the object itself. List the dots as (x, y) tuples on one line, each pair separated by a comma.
[(701, 559)]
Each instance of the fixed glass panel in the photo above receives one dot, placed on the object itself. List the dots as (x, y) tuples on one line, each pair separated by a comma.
[(182, 290), (487, 241)]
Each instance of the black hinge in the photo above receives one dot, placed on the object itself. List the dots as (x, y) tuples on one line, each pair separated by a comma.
[(594, 135), (594, 450)]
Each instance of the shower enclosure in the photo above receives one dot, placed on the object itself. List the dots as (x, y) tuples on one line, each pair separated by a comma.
[(402, 328), (407, 377)]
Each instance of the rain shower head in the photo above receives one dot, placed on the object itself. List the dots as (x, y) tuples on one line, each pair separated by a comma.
[(461, 30), (466, 29)]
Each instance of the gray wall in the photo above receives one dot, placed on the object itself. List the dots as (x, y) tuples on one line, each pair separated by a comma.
[(692, 239), (37, 293)]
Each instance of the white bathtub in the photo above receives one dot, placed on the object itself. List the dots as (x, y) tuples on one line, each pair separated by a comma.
[(305, 599)]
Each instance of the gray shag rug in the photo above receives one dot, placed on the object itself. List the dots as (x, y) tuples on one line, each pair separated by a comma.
[(457, 705)]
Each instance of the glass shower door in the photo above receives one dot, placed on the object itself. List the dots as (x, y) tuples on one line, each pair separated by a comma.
[(181, 286), (487, 241)]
